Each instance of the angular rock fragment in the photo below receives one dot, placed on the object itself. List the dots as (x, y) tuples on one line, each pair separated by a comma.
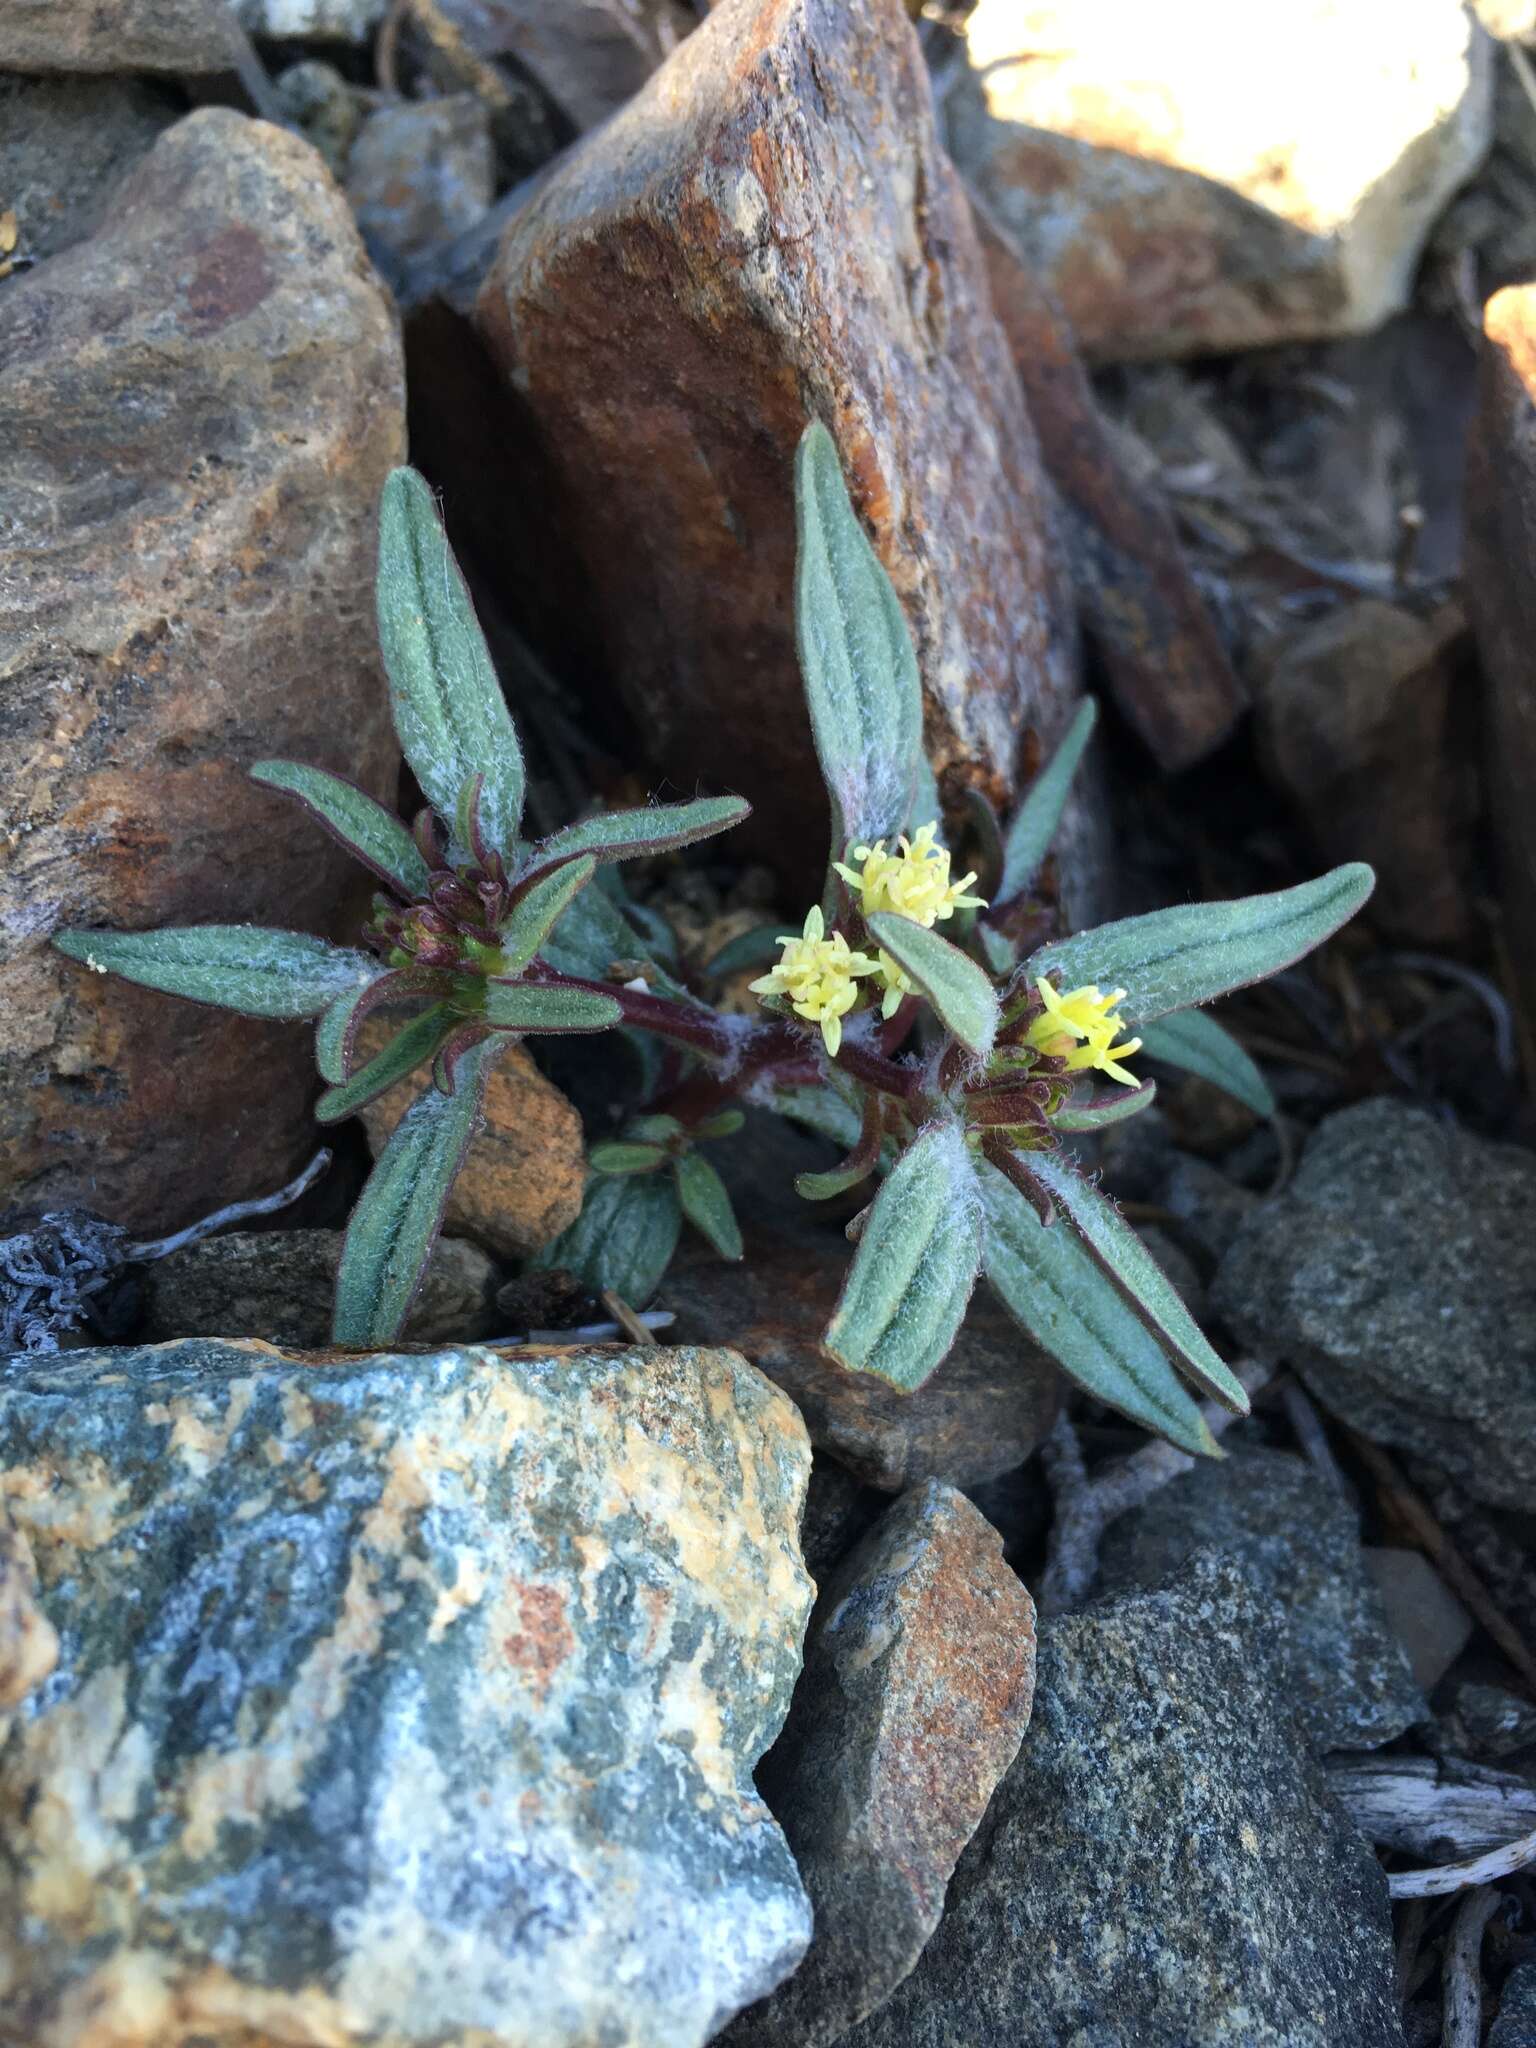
[(419, 173), (184, 37), (406, 1700), (199, 407), (589, 56)]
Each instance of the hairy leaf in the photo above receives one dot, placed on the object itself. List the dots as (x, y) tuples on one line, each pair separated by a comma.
[(1173, 959), (616, 1155), (951, 980), (756, 948), (912, 1275), (595, 935), (413, 1044), (1097, 1112), (541, 903), (244, 967), (621, 835), (1029, 837), (1117, 1247), (856, 655), (858, 1166), (1197, 1043), (400, 1210), (706, 1204), (375, 835), (1050, 1285), (335, 1030), (450, 714), (624, 1237), (816, 1107), (545, 1006)]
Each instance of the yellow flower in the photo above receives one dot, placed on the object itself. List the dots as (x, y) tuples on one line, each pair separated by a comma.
[(1079, 1028), (914, 882), (819, 976)]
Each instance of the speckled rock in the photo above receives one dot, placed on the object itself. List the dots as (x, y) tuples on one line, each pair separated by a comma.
[(588, 55), (981, 1414), (1422, 1611), (1395, 1274), (786, 240), (65, 146), (522, 1182), (430, 1719), (29, 1643), (1515, 2026), (1163, 1866), (419, 173), (1180, 197), (199, 408), (1348, 1675), (183, 37), (919, 1673), (277, 1285)]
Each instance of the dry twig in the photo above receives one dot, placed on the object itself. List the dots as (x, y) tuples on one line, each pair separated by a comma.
[(1445, 1878), (1463, 1996), (633, 1326)]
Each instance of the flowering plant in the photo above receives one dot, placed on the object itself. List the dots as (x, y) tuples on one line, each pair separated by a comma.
[(953, 1064)]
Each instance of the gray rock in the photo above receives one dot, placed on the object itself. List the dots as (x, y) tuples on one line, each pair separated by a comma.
[(277, 1285), (1348, 1675), (420, 173), (1490, 1724), (1395, 1274), (1211, 1208), (400, 1700), (919, 1672), (65, 145), (1515, 2026), (1422, 1612), (327, 21), (328, 110), (1162, 1867)]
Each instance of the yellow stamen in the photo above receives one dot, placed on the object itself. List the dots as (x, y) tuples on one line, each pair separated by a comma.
[(1079, 1027), (818, 976), (913, 882)]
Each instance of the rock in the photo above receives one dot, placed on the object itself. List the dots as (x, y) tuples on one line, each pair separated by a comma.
[(1140, 607), (1361, 722), (919, 1672), (328, 110), (1210, 1207), (400, 1698), (200, 406), (1395, 1275), (1489, 1724), (982, 1413), (1498, 1543), (1424, 1614), (1346, 1672), (774, 217), (419, 173), (29, 1643), (1180, 197), (1501, 600), (588, 56), (321, 21), (187, 38), (65, 146), (522, 1182), (1515, 2026), (838, 1511), (276, 1284), (1162, 1867)]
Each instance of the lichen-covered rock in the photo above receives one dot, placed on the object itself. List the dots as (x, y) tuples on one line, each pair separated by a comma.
[(919, 1673), (769, 232), (401, 1701), (199, 408), (29, 1643), (1163, 1866), (1395, 1274), (1348, 1675), (419, 173)]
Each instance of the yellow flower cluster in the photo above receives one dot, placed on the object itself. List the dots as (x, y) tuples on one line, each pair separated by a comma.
[(819, 976), (1080, 1028), (914, 882)]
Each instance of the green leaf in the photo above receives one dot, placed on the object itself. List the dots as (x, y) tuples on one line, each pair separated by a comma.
[(858, 1166), (856, 655), (957, 988), (413, 1044), (624, 1237), (724, 1124), (1099, 1111), (244, 967), (912, 1275), (706, 1203), (614, 1155), (363, 826), (545, 1006), (1050, 1285), (401, 1208), (756, 948), (819, 1108), (332, 1031), (1197, 1043), (1173, 959), (654, 1130), (596, 934), (621, 835), (449, 711), (1111, 1239), (536, 910), (1034, 825), (1002, 954)]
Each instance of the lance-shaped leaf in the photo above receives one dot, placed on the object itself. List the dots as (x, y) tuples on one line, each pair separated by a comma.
[(618, 1155), (706, 1204), (546, 1006), (541, 903), (337, 1033), (957, 988), (411, 1045), (364, 827), (1173, 959), (1097, 1112), (858, 1166), (450, 714), (1034, 826), (401, 1207), (912, 1275), (856, 655), (334, 1032), (816, 1107), (624, 1237), (621, 835), (1126, 1259), (1050, 1285), (756, 948), (244, 967), (595, 935), (1197, 1043)]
